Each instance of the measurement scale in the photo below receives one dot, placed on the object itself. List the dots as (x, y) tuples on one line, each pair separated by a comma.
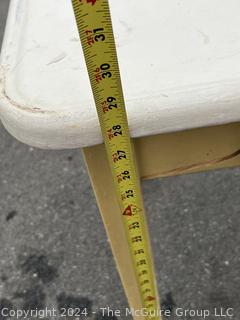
[(96, 34)]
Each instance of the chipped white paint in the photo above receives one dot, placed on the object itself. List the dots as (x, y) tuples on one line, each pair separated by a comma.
[(180, 69)]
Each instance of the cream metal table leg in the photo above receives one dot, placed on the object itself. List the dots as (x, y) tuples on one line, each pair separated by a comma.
[(101, 179)]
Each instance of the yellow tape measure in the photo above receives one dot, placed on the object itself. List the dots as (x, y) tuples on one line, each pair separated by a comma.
[(95, 29)]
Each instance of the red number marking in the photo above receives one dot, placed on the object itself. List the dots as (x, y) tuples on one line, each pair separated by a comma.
[(90, 1)]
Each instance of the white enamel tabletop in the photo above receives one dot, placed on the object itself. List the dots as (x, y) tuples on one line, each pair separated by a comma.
[(179, 61)]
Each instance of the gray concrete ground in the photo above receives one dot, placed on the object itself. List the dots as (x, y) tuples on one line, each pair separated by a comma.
[(54, 250)]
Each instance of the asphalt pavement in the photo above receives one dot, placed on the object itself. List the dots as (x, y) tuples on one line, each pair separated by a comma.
[(54, 252)]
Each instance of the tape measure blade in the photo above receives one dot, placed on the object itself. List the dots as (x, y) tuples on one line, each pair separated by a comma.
[(97, 38)]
